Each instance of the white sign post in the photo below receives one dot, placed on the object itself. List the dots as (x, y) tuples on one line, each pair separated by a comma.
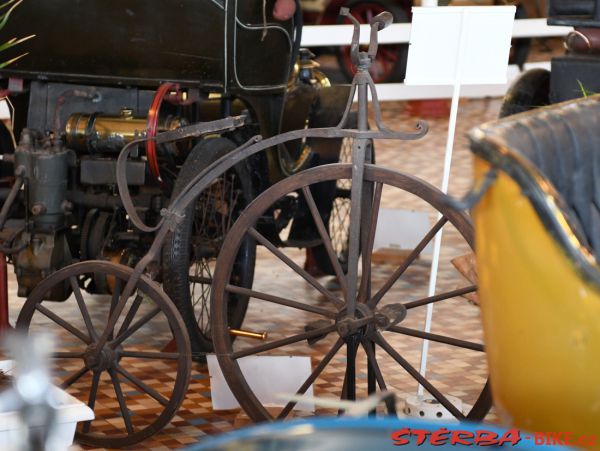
[(456, 46)]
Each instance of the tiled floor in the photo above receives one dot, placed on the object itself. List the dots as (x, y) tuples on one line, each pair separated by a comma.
[(453, 371)]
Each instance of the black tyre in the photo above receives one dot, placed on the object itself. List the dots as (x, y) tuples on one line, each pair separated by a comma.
[(390, 64), (530, 90), (191, 251)]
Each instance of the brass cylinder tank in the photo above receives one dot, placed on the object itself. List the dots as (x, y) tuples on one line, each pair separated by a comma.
[(98, 133)]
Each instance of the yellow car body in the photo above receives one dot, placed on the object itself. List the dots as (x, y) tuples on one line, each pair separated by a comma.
[(539, 283)]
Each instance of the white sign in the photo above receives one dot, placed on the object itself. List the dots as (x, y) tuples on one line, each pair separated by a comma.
[(268, 376), (401, 229), (465, 45)]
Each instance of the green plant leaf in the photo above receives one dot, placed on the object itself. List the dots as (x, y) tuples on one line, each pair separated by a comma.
[(11, 5), (6, 63), (4, 5), (6, 15), (584, 91), (14, 41)]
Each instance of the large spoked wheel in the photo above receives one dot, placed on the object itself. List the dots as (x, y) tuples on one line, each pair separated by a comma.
[(383, 337), (390, 63), (133, 386), (189, 255)]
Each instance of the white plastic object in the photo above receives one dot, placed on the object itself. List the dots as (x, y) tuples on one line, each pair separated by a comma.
[(258, 370), (70, 411), (427, 407)]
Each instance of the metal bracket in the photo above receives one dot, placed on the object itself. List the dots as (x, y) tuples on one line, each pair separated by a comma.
[(172, 218)]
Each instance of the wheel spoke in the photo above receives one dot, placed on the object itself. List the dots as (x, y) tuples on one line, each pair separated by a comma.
[(113, 303), (407, 262), (441, 297), (142, 385), (368, 245), (281, 301), (92, 399), (151, 355), (283, 342), (83, 308), (374, 366), (124, 296), (130, 314), (67, 355), (350, 376), (64, 324), (139, 323), (325, 238), (344, 393), (312, 378), (371, 377), (301, 272), (438, 338), (74, 377), (121, 399), (418, 377)]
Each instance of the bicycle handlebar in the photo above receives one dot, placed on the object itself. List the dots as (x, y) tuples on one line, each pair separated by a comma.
[(377, 23)]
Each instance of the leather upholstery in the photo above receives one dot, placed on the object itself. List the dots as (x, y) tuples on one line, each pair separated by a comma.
[(563, 143)]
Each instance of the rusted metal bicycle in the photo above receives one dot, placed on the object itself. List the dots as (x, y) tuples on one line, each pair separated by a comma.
[(141, 322), (364, 310)]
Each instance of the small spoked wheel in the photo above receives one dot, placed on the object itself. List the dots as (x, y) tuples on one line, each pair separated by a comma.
[(377, 346), (125, 374)]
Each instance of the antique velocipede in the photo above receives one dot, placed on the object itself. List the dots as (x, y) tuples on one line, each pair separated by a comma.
[(366, 310)]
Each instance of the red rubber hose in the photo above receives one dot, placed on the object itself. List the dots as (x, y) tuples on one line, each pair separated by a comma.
[(159, 96)]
